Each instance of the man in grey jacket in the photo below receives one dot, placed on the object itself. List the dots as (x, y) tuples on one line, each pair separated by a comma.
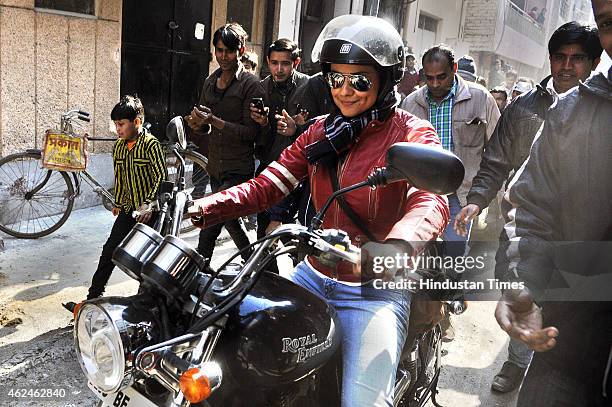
[(559, 213), (464, 115)]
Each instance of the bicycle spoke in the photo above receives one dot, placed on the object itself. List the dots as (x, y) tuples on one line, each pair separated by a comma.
[(61, 195), (15, 209), (26, 174), (15, 175), (54, 180), (43, 219), (46, 214), (53, 206), (20, 215)]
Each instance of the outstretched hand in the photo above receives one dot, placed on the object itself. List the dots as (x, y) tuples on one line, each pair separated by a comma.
[(195, 213), (521, 318), (463, 218)]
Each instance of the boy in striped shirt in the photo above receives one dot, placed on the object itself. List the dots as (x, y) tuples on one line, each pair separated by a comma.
[(139, 165)]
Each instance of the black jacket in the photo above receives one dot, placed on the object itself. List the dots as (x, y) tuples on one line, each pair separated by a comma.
[(230, 150), (316, 97), (559, 213), (509, 145), (269, 144)]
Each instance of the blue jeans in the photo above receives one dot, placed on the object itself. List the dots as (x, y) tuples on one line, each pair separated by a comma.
[(374, 325), (457, 245), (519, 353)]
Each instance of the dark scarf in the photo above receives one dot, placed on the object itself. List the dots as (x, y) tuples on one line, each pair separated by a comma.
[(341, 133)]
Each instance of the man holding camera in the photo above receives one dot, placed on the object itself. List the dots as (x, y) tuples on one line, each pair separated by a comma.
[(223, 112), (279, 110)]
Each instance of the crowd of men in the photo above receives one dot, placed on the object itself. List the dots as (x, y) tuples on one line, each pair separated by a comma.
[(542, 142)]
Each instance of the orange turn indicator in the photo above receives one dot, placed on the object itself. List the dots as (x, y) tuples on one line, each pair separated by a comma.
[(195, 385)]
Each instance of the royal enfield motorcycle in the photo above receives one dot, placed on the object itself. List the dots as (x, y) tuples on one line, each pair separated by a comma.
[(240, 335)]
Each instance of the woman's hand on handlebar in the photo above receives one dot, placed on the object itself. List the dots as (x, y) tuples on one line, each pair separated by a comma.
[(144, 213), (195, 213)]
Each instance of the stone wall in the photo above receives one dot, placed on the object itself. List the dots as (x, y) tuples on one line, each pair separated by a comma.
[(53, 62)]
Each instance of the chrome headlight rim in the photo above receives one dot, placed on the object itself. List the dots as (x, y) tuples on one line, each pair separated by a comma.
[(120, 339)]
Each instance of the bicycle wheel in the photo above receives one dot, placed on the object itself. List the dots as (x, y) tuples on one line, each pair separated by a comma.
[(197, 182), (34, 201)]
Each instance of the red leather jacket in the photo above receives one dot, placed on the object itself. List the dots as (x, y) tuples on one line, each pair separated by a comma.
[(396, 211)]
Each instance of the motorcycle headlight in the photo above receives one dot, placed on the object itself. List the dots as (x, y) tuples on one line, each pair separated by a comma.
[(105, 339)]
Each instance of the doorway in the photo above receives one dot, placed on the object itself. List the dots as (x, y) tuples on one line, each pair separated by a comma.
[(165, 55)]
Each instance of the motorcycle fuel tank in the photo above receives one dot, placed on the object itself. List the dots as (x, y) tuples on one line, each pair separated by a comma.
[(279, 334)]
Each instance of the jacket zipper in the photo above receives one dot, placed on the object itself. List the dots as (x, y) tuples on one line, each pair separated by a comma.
[(340, 171)]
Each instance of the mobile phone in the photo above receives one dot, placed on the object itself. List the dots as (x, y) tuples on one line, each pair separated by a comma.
[(258, 103), (302, 110)]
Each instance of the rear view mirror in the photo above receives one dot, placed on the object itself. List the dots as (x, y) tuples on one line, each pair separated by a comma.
[(175, 131), (429, 168)]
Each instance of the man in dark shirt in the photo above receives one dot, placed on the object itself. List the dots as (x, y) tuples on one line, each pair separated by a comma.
[(223, 112), (281, 99)]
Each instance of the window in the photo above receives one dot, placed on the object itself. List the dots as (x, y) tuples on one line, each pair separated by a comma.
[(314, 10), (72, 6), (428, 23), (519, 3), (241, 12)]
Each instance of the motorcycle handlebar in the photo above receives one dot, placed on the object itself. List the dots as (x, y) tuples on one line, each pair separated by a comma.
[(315, 240)]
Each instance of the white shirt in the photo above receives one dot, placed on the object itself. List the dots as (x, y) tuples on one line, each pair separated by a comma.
[(550, 87)]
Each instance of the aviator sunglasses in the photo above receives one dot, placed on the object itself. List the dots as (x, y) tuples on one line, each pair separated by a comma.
[(360, 83)]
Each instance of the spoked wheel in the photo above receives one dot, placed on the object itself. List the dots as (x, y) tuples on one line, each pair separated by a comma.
[(197, 182), (34, 201)]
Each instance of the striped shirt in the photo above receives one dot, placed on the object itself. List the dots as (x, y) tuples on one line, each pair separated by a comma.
[(138, 172), (441, 117)]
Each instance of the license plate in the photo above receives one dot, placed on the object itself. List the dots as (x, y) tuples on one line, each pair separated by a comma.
[(125, 398)]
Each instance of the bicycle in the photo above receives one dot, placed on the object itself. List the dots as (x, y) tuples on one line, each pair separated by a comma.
[(35, 201)]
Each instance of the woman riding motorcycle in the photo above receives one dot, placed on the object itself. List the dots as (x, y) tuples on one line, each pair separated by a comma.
[(362, 60)]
